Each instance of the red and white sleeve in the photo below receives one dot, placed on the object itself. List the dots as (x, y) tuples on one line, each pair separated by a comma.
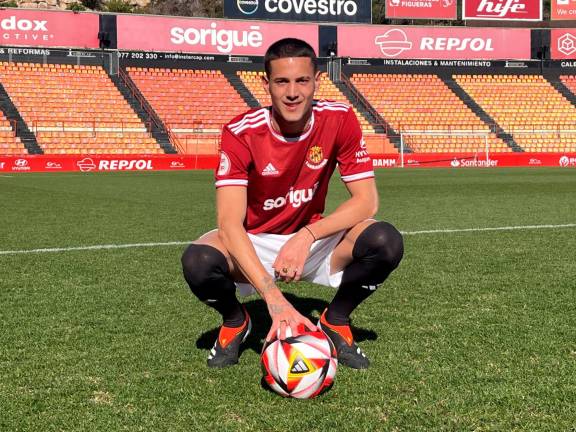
[(235, 158), (354, 163)]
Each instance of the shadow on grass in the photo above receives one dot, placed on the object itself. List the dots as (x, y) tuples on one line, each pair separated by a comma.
[(261, 322)]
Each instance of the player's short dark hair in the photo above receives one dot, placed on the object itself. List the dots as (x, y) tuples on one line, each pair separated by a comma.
[(289, 47)]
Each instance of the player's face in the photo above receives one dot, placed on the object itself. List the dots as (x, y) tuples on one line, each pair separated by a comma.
[(291, 86)]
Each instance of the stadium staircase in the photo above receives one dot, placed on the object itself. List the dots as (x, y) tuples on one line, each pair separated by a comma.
[(138, 103), (379, 124), (483, 115), (241, 88), (26, 136), (559, 84)]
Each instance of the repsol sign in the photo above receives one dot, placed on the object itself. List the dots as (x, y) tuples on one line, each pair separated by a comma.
[(358, 11)]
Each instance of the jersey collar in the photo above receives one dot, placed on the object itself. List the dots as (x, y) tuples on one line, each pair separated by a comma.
[(282, 138)]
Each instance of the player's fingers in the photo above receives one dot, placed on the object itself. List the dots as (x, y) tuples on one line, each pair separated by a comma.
[(271, 334), (308, 324), (298, 274), (282, 330)]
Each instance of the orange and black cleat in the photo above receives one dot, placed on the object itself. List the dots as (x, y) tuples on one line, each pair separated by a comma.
[(349, 354), (227, 346)]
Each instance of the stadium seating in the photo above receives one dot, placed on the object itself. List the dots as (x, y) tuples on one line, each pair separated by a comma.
[(10, 144), (193, 104), (375, 143), (527, 106), (424, 106), (75, 109), (253, 81)]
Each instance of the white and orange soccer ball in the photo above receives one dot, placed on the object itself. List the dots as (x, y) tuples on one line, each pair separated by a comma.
[(300, 367)]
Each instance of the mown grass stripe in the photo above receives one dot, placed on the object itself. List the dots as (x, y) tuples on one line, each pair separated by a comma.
[(180, 243)]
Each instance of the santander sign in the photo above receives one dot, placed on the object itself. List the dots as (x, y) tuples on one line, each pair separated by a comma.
[(518, 10)]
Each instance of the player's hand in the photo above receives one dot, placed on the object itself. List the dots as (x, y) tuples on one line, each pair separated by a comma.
[(285, 320), (289, 263)]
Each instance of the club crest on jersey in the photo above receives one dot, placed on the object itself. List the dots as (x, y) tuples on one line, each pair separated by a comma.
[(224, 167), (315, 158)]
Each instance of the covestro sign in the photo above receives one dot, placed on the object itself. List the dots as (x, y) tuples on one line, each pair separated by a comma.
[(48, 29), (516, 10), (300, 10), (206, 36), (433, 43)]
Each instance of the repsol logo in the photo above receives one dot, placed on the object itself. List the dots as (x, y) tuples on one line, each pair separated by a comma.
[(456, 44), (125, 165), (312, 7), (12, 23), (223, 40), (294, 197)]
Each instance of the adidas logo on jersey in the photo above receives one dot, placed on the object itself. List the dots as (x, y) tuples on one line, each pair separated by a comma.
[(270, 170)]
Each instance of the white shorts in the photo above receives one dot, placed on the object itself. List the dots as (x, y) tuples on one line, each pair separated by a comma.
[(316, 267)]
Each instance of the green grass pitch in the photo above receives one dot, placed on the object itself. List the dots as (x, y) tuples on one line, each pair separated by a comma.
[(476, 331)]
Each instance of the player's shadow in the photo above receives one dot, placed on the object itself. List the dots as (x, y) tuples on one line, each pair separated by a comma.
[(311, 308)]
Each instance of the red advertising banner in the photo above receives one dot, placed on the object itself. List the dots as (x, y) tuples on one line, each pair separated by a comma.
[(49, 29), (109, 163), (563, 9), (502, 10), (105, 163), (431, 9), (563, 44), (468, 160), (437, 43), (206, 36)]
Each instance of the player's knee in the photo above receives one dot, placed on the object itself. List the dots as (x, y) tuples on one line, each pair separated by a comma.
[(381, 244), (202, 265)]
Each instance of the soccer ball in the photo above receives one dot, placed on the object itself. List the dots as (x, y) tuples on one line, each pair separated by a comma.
[(300, 367)]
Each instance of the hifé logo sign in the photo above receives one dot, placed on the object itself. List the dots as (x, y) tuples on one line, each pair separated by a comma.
[(359, 11), (563, 9), (48, 29), (436, 43), (516, 10), (206, 36), (424, 9)]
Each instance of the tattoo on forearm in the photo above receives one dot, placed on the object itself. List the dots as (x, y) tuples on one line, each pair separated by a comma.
[(276, 308)]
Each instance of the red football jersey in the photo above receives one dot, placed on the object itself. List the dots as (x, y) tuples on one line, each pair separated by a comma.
[(287, 180)]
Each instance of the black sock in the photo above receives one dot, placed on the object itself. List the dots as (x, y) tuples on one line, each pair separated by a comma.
[(207, 273), (377, 252)]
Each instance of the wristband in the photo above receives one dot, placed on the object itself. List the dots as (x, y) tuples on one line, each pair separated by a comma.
[(310, 231)]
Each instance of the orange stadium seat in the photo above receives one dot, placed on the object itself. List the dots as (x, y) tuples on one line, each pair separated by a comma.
[(193, 104), (527, 106), (423, 105), (72, 108), (253, 81)]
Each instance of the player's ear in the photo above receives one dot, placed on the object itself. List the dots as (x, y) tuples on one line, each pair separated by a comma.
[(318, 80), (265, 84)]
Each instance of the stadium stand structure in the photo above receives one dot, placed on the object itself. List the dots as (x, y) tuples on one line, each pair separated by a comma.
[(193, 104), (75, 109), (10, 144), (528, 107), (375, 143), (432, 117), (15, 137)]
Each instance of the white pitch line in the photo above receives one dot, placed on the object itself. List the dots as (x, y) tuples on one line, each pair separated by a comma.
[(95, 247), (181, 243), (504, 228)]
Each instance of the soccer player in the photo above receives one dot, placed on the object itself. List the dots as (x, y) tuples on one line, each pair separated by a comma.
[(271, 186)]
